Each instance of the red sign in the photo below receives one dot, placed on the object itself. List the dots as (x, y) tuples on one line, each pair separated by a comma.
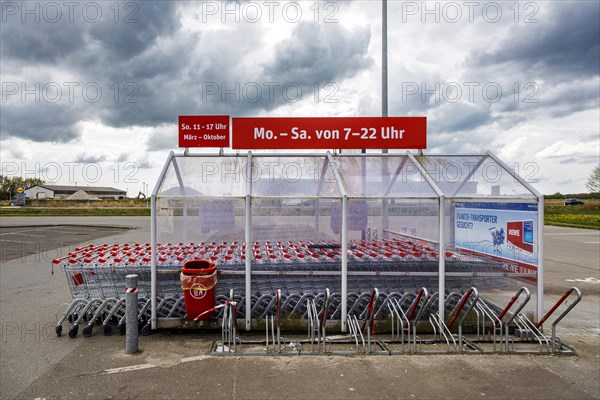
[(330, 133), (203, 131), (516, 235)]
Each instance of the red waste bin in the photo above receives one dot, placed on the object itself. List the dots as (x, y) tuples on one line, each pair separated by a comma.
[(198, 281)]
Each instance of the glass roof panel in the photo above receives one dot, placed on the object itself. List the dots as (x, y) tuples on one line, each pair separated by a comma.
[(293, 177), (472, 176), (382, 176), (205, 177), (374, 176)]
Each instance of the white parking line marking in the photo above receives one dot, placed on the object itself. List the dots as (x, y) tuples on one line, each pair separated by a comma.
[(194, 358), (586, 280), (20, 233), (17, 241), (570, 233), (130, 368), (148, 366), (592, 242), (17, 229)]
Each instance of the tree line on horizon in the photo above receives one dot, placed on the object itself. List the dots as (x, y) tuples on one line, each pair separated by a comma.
[(9, 186)]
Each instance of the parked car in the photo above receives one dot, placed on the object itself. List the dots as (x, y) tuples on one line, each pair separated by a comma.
[(572, 202)]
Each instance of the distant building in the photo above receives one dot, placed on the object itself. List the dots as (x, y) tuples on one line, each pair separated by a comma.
[(67, 192)]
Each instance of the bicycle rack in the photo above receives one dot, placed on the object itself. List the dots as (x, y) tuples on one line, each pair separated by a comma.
[(317, 323), (229, 326), (561, 316), (463, 301), (437, 324), (512, 301), (275, 325), (406, 311)]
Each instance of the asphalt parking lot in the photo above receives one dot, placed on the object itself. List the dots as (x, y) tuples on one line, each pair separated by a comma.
[(22, 241), (37, 364)]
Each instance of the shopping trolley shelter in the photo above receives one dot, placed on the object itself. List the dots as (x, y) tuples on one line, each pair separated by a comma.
[(394, 251)]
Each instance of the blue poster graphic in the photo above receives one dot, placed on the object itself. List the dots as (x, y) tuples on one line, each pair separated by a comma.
[(503, 230)]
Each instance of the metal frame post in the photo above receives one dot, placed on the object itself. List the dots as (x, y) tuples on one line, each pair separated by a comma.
[(442, 261), (248, 238), (344, 261), (540, 270), (344, 248), (384, 61), (153, 274), (153, 240)]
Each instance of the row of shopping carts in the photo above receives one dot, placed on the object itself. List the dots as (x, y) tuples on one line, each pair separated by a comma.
[(413, 326), (96, 275), (96, 279), (234, 253)]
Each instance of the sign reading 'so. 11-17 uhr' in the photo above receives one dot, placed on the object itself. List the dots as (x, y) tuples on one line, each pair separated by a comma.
[(204, 130), (329, 133)]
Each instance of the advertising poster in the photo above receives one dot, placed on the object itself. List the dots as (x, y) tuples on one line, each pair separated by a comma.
[(502, 230)]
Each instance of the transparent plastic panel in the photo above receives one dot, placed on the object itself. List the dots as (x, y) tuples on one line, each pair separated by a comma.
[(379, 176), (293, 177), (185, 220), (295, 234), (205, 177), (295, 219), (492, 247), (409, 182), (392, 247), (472, 176), (209, 229)]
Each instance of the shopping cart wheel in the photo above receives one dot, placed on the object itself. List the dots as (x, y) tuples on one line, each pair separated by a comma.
[(147, 329), (122, 329), (107, 330), (73, 331), (58, 330), (87, 331)]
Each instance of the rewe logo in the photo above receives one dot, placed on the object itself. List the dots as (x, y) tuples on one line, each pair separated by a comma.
[(520, 234)]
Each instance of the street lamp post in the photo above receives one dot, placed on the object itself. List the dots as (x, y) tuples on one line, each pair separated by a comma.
[(384, 61)]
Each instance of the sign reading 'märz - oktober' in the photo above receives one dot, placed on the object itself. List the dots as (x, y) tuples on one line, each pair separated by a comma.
[(330, 133), (204, 131)]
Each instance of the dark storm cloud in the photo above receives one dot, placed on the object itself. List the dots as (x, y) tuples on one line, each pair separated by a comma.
[(40, 122), (139, 28), (320, 53), (37, 43), (87, 48), (453, 130), (313, 58), (150, 70), (460, 117), (568, 44), (39, 33), (543, 70)]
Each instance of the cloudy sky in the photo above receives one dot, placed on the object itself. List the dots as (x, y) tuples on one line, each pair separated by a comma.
[(91, 91)]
